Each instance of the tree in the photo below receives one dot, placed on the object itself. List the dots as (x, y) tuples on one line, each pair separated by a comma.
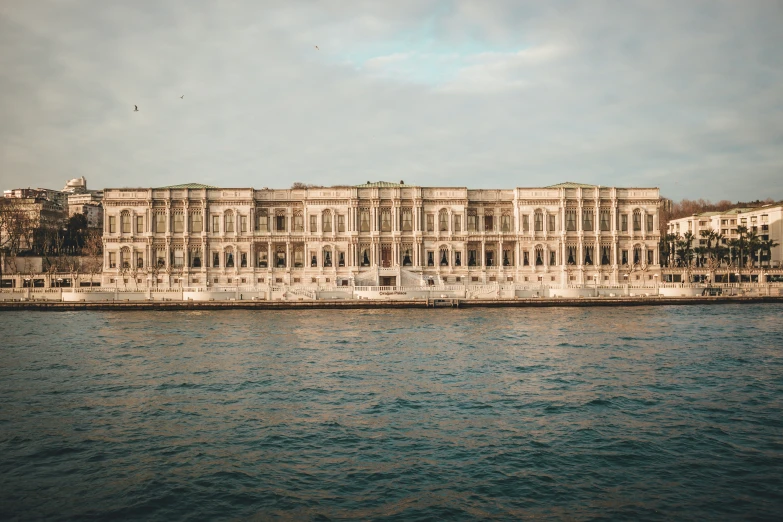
[(15, 227), (93, 254)]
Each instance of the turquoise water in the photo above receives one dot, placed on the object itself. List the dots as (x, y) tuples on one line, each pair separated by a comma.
[(578, 413)]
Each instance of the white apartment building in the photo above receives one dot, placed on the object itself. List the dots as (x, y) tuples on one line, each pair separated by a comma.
[(387, 234), (765, 221)]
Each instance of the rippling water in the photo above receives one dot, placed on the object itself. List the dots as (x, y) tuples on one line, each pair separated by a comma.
[(643, 413)]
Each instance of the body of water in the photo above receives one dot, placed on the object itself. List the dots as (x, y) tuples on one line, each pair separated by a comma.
[(578, 413)]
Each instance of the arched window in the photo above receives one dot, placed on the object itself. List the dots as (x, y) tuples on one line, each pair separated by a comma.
[(443, 220), (229, 220), (195, 257), (385, 220), (539, 256), (326, 221), (125, 258), (637, 220), (538, 221), (125, 222), (327, 257), (229, 258), (505, 221), (262, 220), (444, 254)]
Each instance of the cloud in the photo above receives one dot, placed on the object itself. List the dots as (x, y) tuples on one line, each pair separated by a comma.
[(683, 96)]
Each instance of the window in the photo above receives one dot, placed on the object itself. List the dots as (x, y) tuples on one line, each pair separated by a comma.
[(552, 223), (263, 221), (588, 250), (443, 221), (229, 222), (125, 222), (160, 258), (472, 256), (139, 259), (606, 253), (313, 260), (457, 223), (280, 226), (178, 223), (314, 224), (490, 258), (298, 222), (472, 222), (489, 223), (505, 223), (243, 259), (341, 259), (243, 223), (623, 222), (407, 220), (458, 259), (364, 256), (139, 224), (444, 257), (407, 255), (112, 259), (112, 224), (553, 258), (327, 258), (178, 258), (385, 220), (430, 223), (364, 220), (195, 258), (263, 259), (538, 222), (624, 257), (525, 258), (215, 224), (327, 222), (649, 257), (605, 218), (229, 260), (341, 224), (430, 257), (215, 259), (508, 256), (196, 224), (570, 220), (649, 223), (637, 255), (525, 223), (637, 221), (571, 255), (587, 219), (298, 256)]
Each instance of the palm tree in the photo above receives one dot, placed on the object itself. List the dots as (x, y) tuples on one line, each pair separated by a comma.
[(754, 247), (766, 248)]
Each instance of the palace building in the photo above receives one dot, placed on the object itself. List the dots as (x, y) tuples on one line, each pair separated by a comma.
[(380, 234)]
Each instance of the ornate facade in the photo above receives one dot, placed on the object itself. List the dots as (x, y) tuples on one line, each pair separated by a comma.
[(384, 234)]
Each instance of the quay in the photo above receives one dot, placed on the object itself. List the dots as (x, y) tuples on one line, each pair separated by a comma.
[(345, 304)]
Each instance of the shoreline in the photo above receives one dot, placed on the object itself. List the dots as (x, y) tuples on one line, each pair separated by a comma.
[(348, 304)]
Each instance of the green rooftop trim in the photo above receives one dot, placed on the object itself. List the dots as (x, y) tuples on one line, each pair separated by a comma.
[(571, 184), (382, 184), (189, 186)]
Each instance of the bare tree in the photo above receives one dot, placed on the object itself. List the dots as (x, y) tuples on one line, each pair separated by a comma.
[(93, 254)]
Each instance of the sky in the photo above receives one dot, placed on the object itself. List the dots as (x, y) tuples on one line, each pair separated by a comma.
[(685, 96)]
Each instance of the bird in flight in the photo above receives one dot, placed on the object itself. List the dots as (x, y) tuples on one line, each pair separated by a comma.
[(135, 108), (182, 97), (316, 48)]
